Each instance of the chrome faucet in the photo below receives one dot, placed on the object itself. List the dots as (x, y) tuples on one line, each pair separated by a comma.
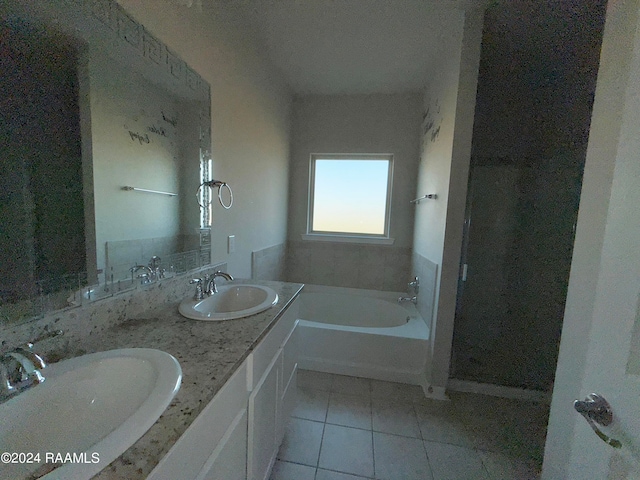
[(207, 285), (210, 287), (413, 299), (152, 272), (144, 277), (415, 286), (20, 370), (154, 266), (199, 295)]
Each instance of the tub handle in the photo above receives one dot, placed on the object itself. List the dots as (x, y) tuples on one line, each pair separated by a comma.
[(415, 284)]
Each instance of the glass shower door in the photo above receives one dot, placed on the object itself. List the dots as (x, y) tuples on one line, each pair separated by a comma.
[(516, 260)]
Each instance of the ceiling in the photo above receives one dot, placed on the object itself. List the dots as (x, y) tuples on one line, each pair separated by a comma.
[(352, 46)]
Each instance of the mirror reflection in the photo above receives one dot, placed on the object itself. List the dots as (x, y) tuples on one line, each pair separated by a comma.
[(106, 141)]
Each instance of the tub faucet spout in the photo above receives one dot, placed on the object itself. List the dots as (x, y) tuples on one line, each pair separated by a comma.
[(413, 299)]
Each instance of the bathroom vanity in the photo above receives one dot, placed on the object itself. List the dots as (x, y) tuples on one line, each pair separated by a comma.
[(238, 389), (238, 433)]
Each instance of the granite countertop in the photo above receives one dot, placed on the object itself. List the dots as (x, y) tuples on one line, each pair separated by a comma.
[(208, 352)]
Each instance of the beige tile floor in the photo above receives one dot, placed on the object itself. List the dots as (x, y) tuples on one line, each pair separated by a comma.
[(347, 428)]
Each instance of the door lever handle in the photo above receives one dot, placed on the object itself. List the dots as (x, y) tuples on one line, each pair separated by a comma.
[(597, 411), (596, 408)]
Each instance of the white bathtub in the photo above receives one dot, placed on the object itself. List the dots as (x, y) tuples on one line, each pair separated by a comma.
[(363, 333)]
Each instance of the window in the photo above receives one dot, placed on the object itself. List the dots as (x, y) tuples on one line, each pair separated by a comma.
[(349, 197)]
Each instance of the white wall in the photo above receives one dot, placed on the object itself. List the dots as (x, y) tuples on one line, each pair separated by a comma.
[(355, 124), (250, 121), (444, 164), (609, 135)]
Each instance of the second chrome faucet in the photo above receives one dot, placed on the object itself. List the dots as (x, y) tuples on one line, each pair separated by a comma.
[(20, 369), (207, 285)]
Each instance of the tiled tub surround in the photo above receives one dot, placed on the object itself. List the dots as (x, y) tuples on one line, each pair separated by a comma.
[(427, 272), (208, 352), (269, 263), (375, 267)]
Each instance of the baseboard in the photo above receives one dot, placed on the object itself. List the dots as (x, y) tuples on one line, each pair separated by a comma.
[(499, 391), (435, 393)]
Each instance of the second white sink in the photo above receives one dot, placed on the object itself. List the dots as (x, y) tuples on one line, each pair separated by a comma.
[(231, 301)]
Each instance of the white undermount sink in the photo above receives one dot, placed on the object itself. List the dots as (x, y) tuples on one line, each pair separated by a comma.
[(230, 302), (94, 406)]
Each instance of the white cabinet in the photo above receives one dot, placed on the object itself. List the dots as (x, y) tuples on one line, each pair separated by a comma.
[(273, 396), (217, 429), (263, 425), (237, 435), (229, 459), (288, 383)]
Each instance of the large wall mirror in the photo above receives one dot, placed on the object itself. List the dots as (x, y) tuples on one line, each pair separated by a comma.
[(105, 139)]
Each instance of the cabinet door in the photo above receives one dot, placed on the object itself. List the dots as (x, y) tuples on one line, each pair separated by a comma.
[(191, 452), (229, 459), (288, 385), (263, 415), (287, 404)]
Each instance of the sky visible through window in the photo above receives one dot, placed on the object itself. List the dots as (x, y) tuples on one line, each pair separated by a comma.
[(350, 196)]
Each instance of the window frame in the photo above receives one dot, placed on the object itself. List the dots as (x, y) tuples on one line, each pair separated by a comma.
[(371, 238)]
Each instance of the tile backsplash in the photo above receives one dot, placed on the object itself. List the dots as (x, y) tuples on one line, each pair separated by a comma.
[(269, 263), (350, 265), (79, 322)]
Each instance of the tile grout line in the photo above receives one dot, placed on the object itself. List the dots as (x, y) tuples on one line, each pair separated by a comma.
[(373, 447), (324, 427), (414, 404), (422, 439)]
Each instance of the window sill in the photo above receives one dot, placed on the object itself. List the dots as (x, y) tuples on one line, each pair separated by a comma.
[(317, 237)]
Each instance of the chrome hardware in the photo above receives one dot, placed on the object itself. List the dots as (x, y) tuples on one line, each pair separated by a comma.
[(156, 270), (413, 299), (212, 184), (6, 385), (199, 295), (144, 277), (429, 195), (596, 410), (27, 353), (20, 370), (414, 284), (210, 282), (207, 285), (152, 272)]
